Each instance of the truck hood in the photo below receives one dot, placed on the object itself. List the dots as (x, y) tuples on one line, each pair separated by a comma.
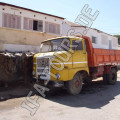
[(48, 54)]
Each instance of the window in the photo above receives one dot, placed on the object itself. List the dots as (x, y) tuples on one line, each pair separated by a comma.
[(30, 24), (94, 40), (118, 41), (37, 25), (77, 45), (11, 21), (52, 28), (60, 44)]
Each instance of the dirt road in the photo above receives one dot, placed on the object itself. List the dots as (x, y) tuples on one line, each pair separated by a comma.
[(96, 102)]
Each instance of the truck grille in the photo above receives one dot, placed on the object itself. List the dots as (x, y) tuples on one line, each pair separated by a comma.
[(43, 62), (46, 71), (43, 68)]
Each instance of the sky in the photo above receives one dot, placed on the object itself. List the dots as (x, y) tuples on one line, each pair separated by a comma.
[(107, 21)]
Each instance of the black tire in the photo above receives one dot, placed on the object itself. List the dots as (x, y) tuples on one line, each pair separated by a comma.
[(110, 78), (105, 79), (74, 86)]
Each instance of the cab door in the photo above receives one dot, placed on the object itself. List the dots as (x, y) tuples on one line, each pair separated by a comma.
[(80, 55)]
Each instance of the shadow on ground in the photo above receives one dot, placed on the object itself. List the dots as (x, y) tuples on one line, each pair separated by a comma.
[(15, 90), (93, 96)]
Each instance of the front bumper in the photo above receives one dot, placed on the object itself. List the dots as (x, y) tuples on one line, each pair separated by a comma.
[(56, 84)]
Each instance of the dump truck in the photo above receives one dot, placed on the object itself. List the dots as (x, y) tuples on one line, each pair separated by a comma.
[(71, 61)]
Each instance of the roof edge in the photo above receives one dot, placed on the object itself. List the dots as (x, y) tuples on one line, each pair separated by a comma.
[(6, 4)]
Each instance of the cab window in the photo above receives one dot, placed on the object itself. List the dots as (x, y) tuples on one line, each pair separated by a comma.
[(77, 45)]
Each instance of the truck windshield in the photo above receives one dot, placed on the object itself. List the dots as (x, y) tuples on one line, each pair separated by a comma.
[(61, 44)]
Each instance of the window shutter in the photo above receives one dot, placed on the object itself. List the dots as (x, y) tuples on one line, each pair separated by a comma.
[(30, 24), (47, 27), (52, 28), (12, 21), (9, 19), (26, 23), (15, 21), (4, 20), (40, 26), (58, 29), (18, 22)]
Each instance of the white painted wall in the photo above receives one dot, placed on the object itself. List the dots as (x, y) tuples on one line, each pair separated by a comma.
[(0, 16), (22, 40), (104, 40), (109, 43), (66, 29), (29, 14), (20, 48)]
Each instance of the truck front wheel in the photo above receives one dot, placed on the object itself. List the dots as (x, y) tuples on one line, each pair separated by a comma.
[(110, 78), (74, 86)]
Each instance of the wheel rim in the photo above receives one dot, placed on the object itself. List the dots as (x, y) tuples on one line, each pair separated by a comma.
[(77, 84)]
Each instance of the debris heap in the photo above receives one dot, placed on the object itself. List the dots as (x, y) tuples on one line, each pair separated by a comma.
[(16, 66)]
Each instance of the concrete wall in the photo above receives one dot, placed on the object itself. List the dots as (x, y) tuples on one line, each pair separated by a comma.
[(21, 40)]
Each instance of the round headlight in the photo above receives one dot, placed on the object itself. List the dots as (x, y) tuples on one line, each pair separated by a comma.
[(57, 76)]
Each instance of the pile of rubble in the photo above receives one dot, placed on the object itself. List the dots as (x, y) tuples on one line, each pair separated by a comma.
[(16, 66)]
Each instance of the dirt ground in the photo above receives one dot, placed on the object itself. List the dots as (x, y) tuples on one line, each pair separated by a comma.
[(96, 102)]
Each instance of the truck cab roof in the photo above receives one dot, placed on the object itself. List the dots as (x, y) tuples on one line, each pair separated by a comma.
[(70, 37)]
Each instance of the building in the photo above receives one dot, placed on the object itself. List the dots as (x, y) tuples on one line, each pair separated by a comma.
[(23, 29), (99, 39)]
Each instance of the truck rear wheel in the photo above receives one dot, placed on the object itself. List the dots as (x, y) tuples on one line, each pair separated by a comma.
[(110, 78), (74, 86), (105, 79)]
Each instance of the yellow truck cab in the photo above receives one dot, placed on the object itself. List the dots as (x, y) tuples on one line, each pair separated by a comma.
[(62, 61)]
